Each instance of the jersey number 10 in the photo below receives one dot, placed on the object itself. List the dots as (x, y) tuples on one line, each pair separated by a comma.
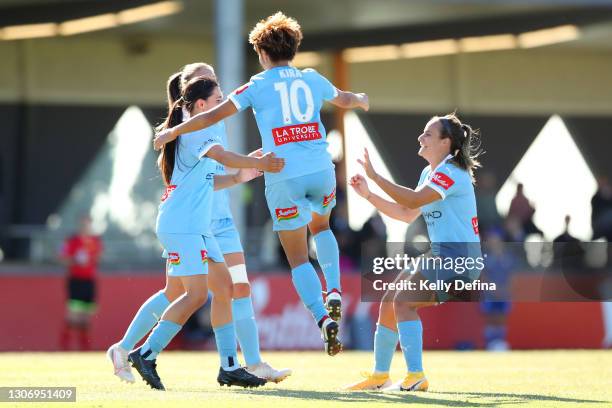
[(289, 101)]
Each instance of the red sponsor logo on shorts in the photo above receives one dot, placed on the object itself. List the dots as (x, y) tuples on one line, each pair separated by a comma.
[(169, 190), (287, 213), (174, 258), (442, 180), (328, 199), (204, 254), (242, 89), (296, 133), (475, 225)]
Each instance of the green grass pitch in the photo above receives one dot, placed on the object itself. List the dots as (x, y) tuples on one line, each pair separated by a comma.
[(461, 379)]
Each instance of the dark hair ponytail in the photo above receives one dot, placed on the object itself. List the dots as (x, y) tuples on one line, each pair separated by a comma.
[(173, 90), (167, 156), (465, 142), (198, 88)]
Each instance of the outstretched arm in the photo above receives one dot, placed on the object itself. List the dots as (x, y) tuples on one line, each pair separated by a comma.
[(200, 121), (413, 199), (268, 162), (350, 100), (405, 196), (243, 175), (389, 208), (224, 181)]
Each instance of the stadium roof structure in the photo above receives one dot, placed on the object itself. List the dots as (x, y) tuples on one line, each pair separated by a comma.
[(362, 22)]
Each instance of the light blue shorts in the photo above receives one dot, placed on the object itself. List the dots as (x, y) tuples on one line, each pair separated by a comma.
[(454, 256), (188, 254), (292, 201), (226, 235)]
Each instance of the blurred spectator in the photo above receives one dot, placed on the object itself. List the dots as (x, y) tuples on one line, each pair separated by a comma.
[(346, 237), (601, 215), (486, 190), (372, 237), (500, 264), (513, 230), (522, 210), (568, 252), (80, 253)]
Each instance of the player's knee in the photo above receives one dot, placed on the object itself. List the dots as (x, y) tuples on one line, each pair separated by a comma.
[(241, 290), (386, 308), (172, 293), (318, 226), (387, 299), (404, 306), (222, 292), (196, 298)]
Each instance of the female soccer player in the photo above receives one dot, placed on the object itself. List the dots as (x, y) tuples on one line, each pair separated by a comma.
[(445, 198), (228, 239), (286, 104), (183, 228)]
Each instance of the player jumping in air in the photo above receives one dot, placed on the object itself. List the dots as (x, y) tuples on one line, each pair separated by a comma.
[(183, 227), (445, 198), (226, 235), (286, 103)]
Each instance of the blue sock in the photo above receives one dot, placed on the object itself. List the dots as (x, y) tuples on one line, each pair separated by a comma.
[(159, 338), (225, 336), (385, 343), (308, 286), (411, 340), (147, 316), (328, 255), (246, 329)]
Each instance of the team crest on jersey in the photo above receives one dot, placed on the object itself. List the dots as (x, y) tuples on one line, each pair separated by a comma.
[(287, 213), (242, 88), (174, 258), (204, 254), (169, 190), (442, 180), (328, 199), (475, 225)]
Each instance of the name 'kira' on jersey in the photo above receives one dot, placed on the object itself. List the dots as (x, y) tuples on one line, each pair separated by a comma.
[(290, 73)]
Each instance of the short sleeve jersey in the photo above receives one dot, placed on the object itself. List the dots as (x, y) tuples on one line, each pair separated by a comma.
[(286, 103), (186, 205), (453, 218)]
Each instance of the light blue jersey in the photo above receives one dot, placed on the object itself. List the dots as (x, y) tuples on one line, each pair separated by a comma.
[(221, 201), (453, 218), (286, 103), (186, 206), (452, 225)]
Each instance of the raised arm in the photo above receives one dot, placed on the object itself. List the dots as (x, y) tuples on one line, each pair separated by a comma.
[(405, 196), (200, 121), (350, 100), (389, 208)]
